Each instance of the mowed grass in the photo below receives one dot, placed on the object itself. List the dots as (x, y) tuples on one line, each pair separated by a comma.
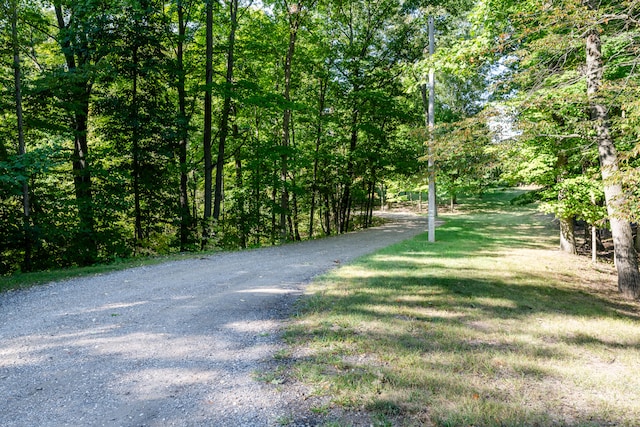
[(22, 280), (489, 326), (26, 280)]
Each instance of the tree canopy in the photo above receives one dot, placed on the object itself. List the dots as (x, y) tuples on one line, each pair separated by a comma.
[(135, 127)]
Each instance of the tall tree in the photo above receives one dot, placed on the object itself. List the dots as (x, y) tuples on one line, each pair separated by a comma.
[(17, 73), (135, 118), (294, 12), (226, 107), (81, 29), (358, 29), (208, 95), (625, 254), (591, 46), (183, 13)]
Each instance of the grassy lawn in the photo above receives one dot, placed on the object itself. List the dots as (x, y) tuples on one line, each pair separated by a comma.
[(25, 280), (489, 326)]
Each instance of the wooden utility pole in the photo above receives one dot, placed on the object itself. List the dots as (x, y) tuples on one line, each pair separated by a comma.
[(431, 213)]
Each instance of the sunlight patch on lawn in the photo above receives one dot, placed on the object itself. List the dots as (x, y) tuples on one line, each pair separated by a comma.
[(489, 326)]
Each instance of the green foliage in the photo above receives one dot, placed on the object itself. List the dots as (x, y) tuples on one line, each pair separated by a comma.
[(526, 198), (463, 156), (556, 148), (578, 197), (356, 118)]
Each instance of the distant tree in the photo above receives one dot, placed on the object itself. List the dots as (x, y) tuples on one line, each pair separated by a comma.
[(464, 157)]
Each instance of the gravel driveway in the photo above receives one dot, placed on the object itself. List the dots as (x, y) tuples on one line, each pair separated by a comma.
[(177, 344)]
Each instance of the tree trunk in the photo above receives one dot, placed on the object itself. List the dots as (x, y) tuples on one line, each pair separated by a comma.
[(82, 181), (226, 109), (373, 202), (294, 218), (135, 136), (87, 245), (242, 222), (345, 203), (625, 254), (257, 191), (294, 23), (371, 191), (206, 140), (327, 215), (274, 198), (316, 159), (594, 244), (567, 235), (17, 71), (183, 133)]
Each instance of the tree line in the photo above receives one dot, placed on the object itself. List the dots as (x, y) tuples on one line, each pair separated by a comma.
[(134, 127)]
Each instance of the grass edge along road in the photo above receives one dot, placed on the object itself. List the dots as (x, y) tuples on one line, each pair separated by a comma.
[(489, 326)]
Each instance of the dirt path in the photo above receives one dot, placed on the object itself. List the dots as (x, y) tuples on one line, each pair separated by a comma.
[(177, 344)]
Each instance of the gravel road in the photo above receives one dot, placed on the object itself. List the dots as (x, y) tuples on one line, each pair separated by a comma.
[(177, 344)]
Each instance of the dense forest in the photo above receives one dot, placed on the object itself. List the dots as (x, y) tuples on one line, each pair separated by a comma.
[(138, 127)]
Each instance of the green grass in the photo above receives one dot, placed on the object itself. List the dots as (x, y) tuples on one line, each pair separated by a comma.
[(488, 326), (25, 280)]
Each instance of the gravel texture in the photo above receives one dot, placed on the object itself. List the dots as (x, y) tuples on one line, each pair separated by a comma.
[(179, 344)]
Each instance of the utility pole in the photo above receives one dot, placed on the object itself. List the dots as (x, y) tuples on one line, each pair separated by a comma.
[(431, 213)]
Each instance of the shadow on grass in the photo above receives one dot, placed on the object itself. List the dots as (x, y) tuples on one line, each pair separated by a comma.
[(443, 354), (444, 334), (537, 295)]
